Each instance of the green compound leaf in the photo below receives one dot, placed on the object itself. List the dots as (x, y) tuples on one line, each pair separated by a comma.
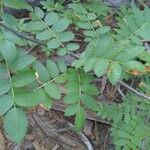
[(15, 124)]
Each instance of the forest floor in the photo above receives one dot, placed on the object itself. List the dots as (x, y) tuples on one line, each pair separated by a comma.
[(48, 130)]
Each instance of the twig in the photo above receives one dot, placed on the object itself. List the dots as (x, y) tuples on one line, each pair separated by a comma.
[(120, 91), (134, 91), (51, 132), (147, 47), (105, 140), (56, 146), (24, 36), (141, 3), (83, 138)]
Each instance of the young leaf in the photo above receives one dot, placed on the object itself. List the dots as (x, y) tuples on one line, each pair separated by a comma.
[(15, 124), (80, 119), (52, 68), (101, 67), (23, 78), (52, 90), (89, 102), (71, 109), (115, 73)]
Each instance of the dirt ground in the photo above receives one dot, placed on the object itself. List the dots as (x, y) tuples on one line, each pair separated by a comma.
[(47, 131)]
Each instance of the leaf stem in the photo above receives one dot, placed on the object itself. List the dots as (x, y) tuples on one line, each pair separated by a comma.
[(11, 84), (49, 82), (53, 33), (79, 84), (134, 91)]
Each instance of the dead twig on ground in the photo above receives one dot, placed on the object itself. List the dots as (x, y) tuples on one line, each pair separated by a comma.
[(120, 91), (82, 136), (51, 132), (105, 140), (22, 35), (60, 106), (134, 91)]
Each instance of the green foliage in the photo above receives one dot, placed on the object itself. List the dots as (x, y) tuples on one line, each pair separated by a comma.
[(17, 4), (118, 54), (79, 96), (15, 124)]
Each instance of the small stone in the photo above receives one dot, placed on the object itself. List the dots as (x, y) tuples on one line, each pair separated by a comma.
[(41, 111)]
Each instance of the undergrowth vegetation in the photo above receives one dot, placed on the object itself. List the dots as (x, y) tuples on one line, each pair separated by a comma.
[(120, 53)]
